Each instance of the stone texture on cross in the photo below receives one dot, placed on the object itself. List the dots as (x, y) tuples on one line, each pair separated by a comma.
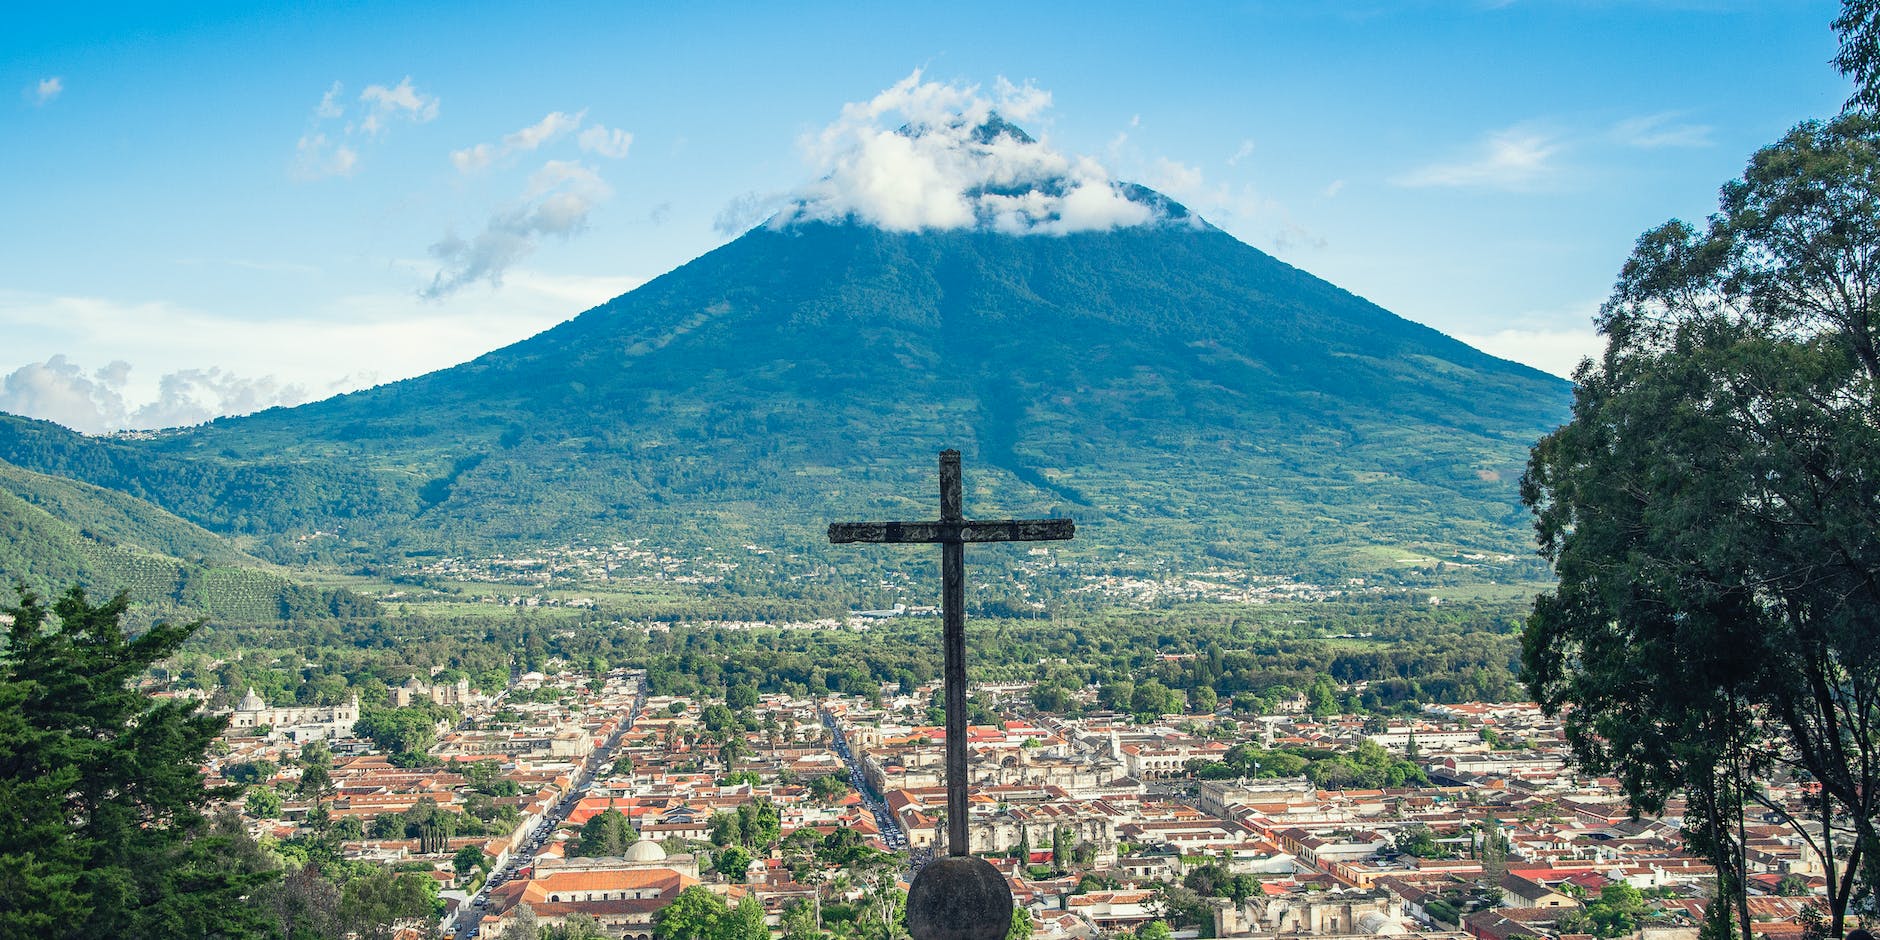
[(959, 896)]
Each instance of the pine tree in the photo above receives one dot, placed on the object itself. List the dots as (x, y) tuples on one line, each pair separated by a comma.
[(103, 833)]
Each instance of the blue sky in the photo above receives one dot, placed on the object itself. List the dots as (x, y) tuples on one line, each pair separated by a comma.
[(213, 208)]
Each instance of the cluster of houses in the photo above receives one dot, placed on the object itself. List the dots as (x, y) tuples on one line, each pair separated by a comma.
[(1090, 818)]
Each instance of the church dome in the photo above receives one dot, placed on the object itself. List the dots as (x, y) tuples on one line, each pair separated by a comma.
[(645, 850), (1377, 922), (251, 702)]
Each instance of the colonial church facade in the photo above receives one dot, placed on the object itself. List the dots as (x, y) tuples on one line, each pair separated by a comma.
[(294, 722)]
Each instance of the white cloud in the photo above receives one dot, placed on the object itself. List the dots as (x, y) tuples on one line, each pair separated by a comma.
[(918, 156), (319, 154), (399, 101), (182, 356), (1512, 159), (329, 106), (1554, 351), (557, 201), (1658, 131), (1243, 152), (1020, 103), (1176, 178), (59, 390), (555, 125), (316, 157), (744, 212), (611, 143), (1333, 188), (41, 92)]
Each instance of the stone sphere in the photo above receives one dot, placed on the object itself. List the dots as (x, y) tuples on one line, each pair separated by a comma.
[(959, 897)]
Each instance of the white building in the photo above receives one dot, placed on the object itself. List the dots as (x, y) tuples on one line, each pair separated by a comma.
[(294, 722)]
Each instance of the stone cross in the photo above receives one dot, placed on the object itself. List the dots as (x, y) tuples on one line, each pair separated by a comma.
[(952, 532)]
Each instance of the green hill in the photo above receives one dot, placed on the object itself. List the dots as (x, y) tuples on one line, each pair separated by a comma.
[(1183, 395), (56, 532)]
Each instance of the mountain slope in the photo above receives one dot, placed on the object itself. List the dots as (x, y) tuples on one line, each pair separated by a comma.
[(56, 532), (1177, 391)]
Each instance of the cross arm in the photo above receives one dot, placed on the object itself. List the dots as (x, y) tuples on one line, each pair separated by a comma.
[(980, 530)]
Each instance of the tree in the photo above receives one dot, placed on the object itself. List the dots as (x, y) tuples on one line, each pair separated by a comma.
[(799, 921), (829, 787), (743, 922), (1713, 514), (1859, 57), (1419, 841), (103, 833), (304, 904), (693, 915), (733, 863), (523, 925), (397, 731), (1494, 851), (882, 915), (467, 858), (607, 832), (263, 803), (726, 829), (1182, 907), (316, 773), (260, 771), (1021, 923), (577, 926), (376, 904), (760, 824)]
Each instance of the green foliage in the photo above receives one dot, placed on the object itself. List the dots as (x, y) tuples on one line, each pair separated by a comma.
[(577, 926), (409, 730), (467, 858), (799, 921), (251, 771), (57, 531), (1368, 767), (103, 833), (1859, 55), (1419, 841), (1021, 923), (263, 803), (693, 915), (376, 903), (1711, 509), (732, 863), (607, 833), (1214, 880), (744, 922), (1615, 913)]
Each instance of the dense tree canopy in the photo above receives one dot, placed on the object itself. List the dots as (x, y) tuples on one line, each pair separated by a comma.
[(103, 833), (1713, 509), (607, 832)]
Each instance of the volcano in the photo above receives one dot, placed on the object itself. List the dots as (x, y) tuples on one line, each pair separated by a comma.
[(1182, 394)]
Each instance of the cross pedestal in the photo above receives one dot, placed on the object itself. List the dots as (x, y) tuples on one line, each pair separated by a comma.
[(960, 896)]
